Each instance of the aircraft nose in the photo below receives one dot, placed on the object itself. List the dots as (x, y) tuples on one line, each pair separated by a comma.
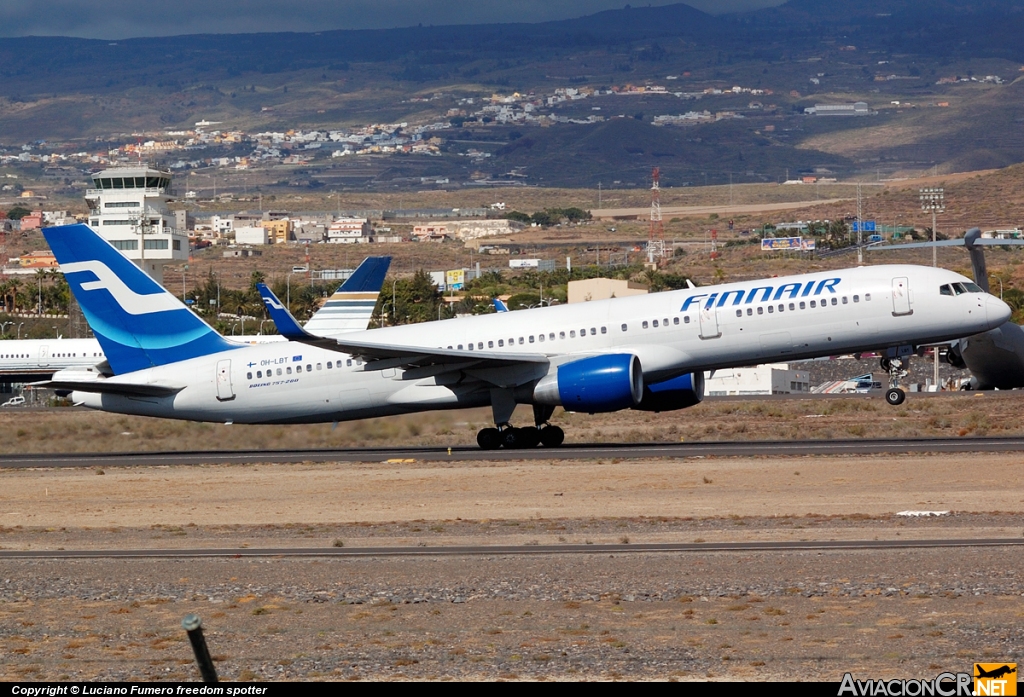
[(997, 311)]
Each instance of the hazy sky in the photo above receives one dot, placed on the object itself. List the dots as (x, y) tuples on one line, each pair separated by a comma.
[(119, 19)]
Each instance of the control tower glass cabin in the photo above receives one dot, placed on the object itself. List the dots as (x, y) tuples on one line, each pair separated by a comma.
[(128, 208)]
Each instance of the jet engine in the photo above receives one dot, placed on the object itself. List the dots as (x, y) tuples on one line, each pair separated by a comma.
[(678, 393), (592, 385)]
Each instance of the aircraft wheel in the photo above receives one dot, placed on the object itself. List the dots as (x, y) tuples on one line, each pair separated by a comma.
[(511, 438), (895, 396), (886, 364), (529, 437), (552, 436), (489, 439)]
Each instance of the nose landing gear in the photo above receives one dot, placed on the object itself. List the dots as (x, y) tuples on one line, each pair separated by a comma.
[(897, 369)]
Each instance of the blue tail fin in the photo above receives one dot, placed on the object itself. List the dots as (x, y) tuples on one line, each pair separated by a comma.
[(368, 277), (499, 305), (138, 323)]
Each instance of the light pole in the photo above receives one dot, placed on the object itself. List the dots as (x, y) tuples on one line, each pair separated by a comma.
[(19, 329), (55, 334), (288, 294), (934, 199), (3, 327), (394, 302)]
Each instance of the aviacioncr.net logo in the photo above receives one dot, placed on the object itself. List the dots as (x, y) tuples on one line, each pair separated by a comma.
[(942, 685)]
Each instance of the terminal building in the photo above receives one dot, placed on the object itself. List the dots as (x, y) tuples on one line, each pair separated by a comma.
[(128, 208)]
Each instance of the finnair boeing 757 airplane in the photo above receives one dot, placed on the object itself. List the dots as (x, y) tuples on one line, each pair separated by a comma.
[(349, 309), (644, 352)]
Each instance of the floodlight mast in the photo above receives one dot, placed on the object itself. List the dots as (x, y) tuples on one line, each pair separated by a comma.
[(934, 199), (656, 238)]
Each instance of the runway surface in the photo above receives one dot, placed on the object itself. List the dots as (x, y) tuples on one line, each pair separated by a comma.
[(566, 452), (523, 550)]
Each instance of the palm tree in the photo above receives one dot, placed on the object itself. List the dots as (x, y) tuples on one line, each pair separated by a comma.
[(14, 290)]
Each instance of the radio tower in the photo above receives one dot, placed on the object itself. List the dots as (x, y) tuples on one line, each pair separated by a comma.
[(656, 239)]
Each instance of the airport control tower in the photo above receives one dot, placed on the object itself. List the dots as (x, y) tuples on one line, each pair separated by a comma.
[(128, 208)]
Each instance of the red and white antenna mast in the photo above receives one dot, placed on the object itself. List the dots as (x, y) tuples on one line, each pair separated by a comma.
[(656, 239)]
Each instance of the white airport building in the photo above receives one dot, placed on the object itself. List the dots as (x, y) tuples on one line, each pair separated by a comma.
[(771, 378), (128, 208)]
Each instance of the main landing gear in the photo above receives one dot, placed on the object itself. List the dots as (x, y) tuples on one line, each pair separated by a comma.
[(897, 369), (507, 436)]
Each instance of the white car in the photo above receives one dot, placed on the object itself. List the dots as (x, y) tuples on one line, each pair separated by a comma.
[(14, 402)]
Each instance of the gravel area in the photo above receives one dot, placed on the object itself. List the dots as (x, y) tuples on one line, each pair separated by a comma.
[(620, 615), (632, 616)]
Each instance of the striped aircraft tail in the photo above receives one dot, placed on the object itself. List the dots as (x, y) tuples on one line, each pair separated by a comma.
[(351, 306)]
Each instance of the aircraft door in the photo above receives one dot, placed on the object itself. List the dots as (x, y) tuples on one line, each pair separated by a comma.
[(901, 296), (44, 355), (225, 392), (709, 323)]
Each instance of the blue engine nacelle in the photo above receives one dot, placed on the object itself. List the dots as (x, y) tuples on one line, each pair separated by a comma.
[(591, 385), (677, 393)]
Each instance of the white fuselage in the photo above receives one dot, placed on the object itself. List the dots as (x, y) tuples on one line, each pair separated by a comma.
[(43, 357), (671, 333)]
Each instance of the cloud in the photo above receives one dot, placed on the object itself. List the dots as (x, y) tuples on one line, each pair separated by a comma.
[(120, 19)]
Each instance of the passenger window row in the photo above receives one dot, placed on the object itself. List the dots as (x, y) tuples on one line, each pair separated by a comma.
[(299, 369), (533, 338), (813, 304)]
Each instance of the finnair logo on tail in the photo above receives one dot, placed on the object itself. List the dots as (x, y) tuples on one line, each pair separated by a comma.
[(272, 304), (130, 301)]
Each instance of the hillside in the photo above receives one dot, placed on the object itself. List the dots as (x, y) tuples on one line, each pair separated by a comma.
[(892, 54)]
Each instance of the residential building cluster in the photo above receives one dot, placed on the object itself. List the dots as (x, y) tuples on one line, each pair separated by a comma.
[(183, 149)]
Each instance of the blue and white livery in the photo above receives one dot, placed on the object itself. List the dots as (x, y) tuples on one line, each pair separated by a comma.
[(644, 352)]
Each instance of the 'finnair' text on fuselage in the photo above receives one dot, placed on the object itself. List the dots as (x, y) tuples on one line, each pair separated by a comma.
[(785, 291)]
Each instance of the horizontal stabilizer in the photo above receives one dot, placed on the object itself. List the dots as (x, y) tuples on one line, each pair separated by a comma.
[(112, 386)]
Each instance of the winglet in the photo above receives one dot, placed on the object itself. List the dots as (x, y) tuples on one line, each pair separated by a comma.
[(286, 324), (499, 305)]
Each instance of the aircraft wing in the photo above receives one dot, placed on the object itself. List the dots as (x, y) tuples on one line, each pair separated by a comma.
[(379, 356), (915, 245)]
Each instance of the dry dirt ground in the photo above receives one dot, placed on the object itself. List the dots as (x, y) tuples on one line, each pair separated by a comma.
[(628, 614)]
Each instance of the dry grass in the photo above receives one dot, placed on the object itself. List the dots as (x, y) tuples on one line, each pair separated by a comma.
[(955, 414)]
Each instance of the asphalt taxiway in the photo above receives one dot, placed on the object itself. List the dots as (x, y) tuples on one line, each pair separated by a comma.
[(566, 452)]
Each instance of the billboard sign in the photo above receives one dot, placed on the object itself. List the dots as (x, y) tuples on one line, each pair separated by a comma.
[(456, 279), (774, 244)]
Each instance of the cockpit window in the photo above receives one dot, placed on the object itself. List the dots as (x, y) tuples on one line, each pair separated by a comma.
[(945, 290), (959, 288), (973, 288)]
